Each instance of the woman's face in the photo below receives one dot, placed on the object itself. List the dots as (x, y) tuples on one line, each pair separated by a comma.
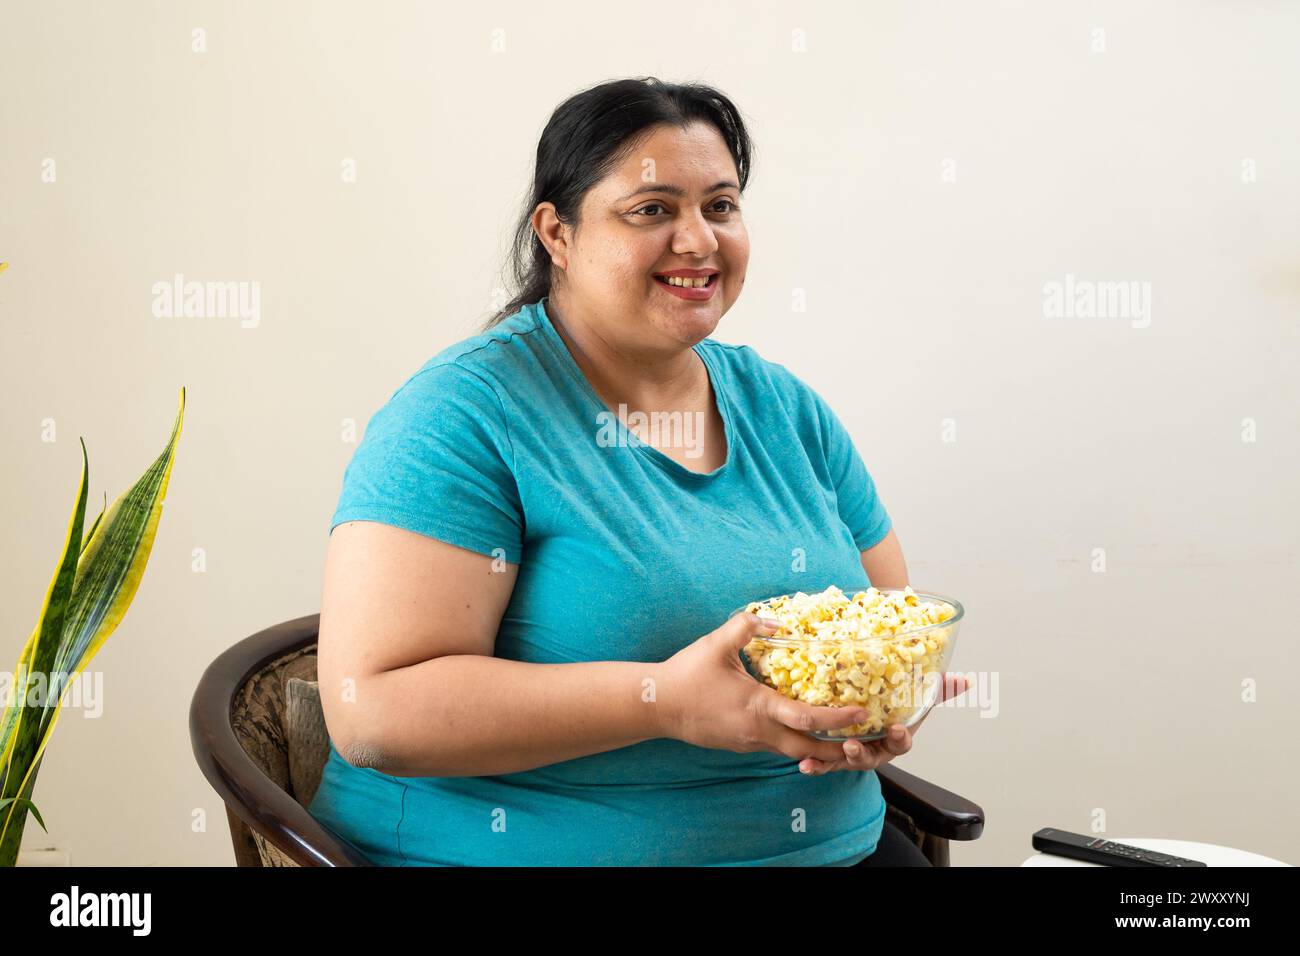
[(673, 203)]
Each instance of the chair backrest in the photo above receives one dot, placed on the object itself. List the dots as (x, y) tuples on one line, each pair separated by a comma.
[(252, 747)]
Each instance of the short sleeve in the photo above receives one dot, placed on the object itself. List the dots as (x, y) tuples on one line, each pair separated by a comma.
[(436, 459), (860, 506)]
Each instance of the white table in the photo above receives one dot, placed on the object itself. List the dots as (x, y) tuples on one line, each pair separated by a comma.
[(1208, 853)]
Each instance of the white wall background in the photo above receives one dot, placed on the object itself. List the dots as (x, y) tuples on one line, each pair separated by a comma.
[(1170, 157)]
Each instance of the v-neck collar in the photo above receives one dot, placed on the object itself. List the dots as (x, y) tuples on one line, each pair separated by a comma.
[(625, 435)]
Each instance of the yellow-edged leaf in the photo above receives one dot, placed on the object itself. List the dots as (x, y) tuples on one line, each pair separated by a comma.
[(42, 649), (108, 574)]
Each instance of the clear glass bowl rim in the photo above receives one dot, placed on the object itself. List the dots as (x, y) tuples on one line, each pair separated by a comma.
[(778, 641)]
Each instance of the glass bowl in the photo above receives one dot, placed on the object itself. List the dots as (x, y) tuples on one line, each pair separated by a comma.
[(895, 677)]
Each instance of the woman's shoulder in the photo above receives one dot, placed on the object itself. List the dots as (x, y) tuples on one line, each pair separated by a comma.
[(771, 393), (762, 379), (482, 365)]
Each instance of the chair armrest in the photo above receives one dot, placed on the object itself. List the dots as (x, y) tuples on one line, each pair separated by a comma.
[(934, 809)]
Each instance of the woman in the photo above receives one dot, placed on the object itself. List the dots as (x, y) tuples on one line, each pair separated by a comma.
[(526, 655)]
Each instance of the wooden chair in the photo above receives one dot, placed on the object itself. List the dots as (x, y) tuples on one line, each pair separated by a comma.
[(252, 755)]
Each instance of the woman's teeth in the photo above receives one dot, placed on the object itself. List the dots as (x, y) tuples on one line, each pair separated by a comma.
[(686, 283)]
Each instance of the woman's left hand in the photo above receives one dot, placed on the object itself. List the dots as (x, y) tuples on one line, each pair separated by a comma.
[(870, 754)]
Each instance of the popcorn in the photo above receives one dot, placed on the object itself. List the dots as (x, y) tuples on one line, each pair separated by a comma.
[(841, 652)]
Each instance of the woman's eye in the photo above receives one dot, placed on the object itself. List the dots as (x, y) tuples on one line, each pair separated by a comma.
[(731, 207)]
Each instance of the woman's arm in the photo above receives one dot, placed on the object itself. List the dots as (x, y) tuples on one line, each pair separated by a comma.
[(408, 682), (884, 563)]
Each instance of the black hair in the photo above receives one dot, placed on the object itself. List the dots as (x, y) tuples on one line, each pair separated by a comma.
[(585, 138)]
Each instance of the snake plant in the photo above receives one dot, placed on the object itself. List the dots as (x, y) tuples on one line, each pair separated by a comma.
[(94, 584)]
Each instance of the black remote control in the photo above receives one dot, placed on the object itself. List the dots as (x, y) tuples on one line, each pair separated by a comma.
[(1076, 846)]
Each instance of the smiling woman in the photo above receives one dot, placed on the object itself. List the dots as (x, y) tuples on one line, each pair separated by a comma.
[(647, 177), (525, 651)]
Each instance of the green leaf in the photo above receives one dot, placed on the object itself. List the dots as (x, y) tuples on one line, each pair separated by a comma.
[(23, 801), (81, 611)]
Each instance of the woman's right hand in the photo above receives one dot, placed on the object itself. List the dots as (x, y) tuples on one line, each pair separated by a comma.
[(709, 699)]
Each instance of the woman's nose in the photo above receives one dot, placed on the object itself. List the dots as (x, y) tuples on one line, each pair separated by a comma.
[(694, 235)]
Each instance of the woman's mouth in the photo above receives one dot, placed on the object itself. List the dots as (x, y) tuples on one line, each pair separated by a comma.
[(694, 293)]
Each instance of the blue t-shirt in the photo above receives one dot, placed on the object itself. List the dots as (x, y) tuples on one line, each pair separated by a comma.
[(500, 445)]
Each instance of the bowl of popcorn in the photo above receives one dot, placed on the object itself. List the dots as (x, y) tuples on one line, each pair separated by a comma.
[(883, 649)]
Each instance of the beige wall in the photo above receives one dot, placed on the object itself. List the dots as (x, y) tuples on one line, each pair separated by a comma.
[(1119, 691)]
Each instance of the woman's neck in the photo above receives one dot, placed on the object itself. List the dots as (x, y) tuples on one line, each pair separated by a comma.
[(643, 381)]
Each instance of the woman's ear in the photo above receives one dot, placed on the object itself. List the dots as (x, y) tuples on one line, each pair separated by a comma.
[(554, 235)]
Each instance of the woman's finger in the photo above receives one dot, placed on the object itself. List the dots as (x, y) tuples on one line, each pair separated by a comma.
[(856, 756), (954, 685), (794, 720), (816, 768), (860, 755), (800, 746), (868, 756), (898, 741), (797, 715)]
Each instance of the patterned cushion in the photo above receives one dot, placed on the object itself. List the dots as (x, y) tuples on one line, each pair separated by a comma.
[(257, 715), (307, 738)]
